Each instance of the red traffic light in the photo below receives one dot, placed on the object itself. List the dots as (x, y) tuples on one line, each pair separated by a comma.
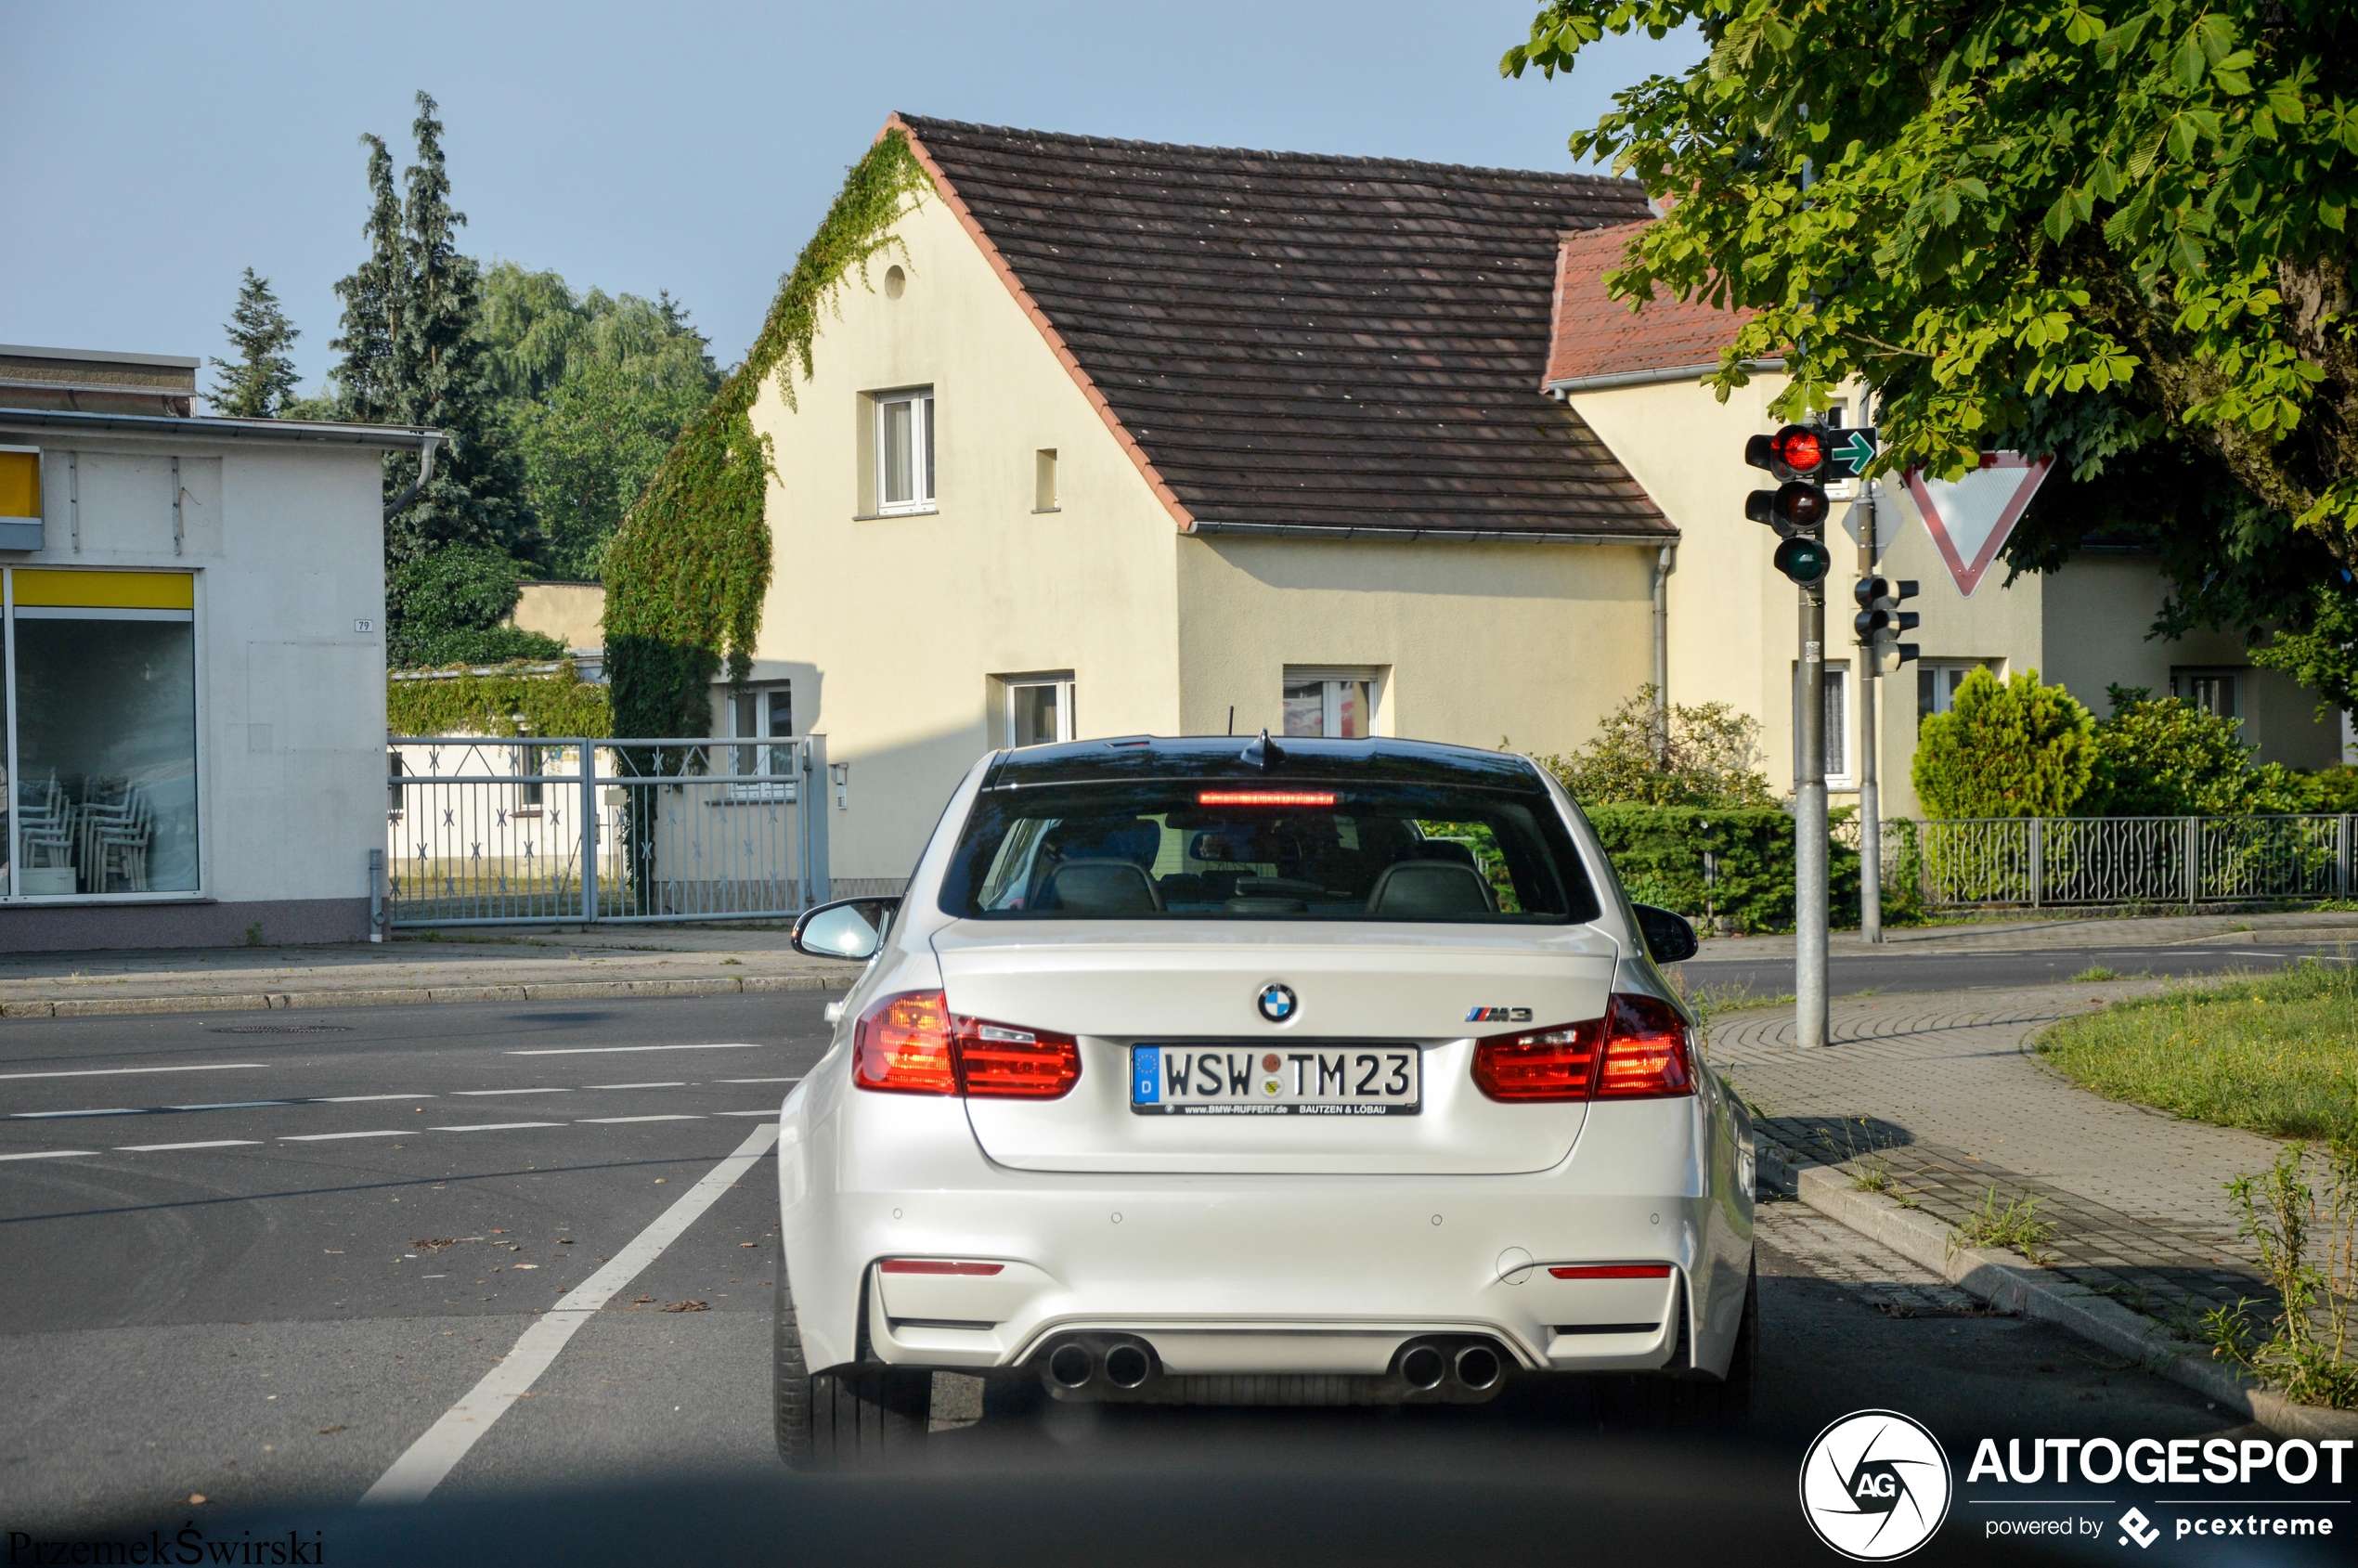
[(1797, 451)]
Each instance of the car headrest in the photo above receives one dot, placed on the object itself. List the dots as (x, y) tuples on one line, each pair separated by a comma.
[(1429, 890), (1100, 886), (1135, 839)]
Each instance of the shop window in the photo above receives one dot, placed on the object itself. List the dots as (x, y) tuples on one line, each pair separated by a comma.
[(1340, 704), (101, 770)]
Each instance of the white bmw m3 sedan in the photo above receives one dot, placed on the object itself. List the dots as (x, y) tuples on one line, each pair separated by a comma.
[(1300, 1072)]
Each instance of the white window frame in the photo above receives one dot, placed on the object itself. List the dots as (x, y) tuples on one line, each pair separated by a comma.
[(1938, 668), (1067, 730), (1333, 677), (921, 451), (774, 761)]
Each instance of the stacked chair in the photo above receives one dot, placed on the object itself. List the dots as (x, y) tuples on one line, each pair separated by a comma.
[(45, 823), (113, 825)]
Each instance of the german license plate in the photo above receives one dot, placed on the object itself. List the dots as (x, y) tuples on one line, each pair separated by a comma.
[(1331, 1078)]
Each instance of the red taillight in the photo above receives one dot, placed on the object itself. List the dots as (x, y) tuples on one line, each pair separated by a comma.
[(936, 1265), (912, 1045), (1637, 1051), (1602, 1271), (1645, 1051), (1540, 1063)]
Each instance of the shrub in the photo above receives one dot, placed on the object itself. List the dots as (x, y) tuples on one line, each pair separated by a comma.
[(1659, 853), (1706, 755), (2170, 758), (2011, 748), (445, 606)]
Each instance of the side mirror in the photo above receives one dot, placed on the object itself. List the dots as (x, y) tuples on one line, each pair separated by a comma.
[(1668, 937), (852, 928)]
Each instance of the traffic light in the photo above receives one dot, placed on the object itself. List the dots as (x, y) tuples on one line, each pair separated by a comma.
[(1797, 457), (1881, 620)]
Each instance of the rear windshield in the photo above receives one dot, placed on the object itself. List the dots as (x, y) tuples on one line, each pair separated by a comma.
[(1198, 849)]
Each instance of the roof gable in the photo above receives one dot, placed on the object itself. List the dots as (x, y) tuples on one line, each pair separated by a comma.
[(1291, 343), (1600, 342)]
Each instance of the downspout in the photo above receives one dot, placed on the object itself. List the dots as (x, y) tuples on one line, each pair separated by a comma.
[(1664, 560), (425, 474)]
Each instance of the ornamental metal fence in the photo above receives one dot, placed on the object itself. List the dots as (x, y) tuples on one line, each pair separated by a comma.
[(2036, 861), (572, 829)]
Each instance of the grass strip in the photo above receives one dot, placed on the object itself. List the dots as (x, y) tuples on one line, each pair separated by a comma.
[(2276, 1054)]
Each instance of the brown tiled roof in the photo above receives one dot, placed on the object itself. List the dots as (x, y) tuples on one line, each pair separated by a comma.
[(1597, 339), (1301, 342)]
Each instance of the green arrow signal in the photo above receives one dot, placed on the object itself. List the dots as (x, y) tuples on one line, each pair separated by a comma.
[(1855, 451)]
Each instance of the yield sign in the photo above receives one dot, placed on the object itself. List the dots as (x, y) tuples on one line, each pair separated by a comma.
[(1969, 519)]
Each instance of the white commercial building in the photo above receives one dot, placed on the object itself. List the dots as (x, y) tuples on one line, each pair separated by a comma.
[(191, 662)]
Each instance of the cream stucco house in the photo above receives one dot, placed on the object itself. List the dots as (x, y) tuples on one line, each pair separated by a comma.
[(1131, 439)]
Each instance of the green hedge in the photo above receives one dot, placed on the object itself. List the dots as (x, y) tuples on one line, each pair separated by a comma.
[(1659, 852)]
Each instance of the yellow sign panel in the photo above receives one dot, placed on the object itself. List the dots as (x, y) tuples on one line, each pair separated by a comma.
[(106, 590), (19, 484)]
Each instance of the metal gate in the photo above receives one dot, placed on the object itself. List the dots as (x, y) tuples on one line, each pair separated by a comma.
[(565, 828)]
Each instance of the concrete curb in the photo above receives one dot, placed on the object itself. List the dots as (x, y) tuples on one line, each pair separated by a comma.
[(2011, 1284), (404, 996)]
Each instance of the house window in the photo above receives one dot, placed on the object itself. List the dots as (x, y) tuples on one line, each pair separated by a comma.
[(905, 451), (1837, 695), (764, 712), (1034, 709), (1044, 480), (2213, 691), (98, 700), (1939, 681), (528, 763), (1336, 703)]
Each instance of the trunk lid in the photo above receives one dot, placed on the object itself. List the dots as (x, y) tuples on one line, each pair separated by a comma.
[(1115, 984)]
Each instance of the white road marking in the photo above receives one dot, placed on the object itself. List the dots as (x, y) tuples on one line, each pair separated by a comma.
[(159, 1148), (543, 1091), (356, 1099), (608, 1121), (679, 1085), (52, 1115), (51, 1153), (744, 1113), (419, 1469), (117, 1071), (232, 1104), (323, 1137), (608, 1050), (796, 1079), (494, 1126)]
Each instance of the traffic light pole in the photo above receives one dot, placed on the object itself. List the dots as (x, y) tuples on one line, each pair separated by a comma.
[(1870, 793), (1810, 886)]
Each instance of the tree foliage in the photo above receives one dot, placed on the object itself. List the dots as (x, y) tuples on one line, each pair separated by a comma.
[(445, 607), (261, 382), (595, 389), (2115, 230), (686, 575), (2011, 748), (1704, 756)]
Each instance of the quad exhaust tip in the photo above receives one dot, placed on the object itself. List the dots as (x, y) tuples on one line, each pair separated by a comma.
[(1071, 1365), (1423, 1368), (1126, 1367), (1478, 1368)]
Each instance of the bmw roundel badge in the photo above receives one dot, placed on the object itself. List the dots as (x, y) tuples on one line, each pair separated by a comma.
[(1277, 1003)]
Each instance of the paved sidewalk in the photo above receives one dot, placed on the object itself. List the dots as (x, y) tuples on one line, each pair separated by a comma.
[(2031, 933), (508, 966), (1938, 1101)]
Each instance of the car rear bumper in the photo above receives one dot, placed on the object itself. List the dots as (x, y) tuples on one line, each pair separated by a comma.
[(1242, 1275)]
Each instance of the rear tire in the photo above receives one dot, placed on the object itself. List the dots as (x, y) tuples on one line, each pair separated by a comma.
[(848, 1414)]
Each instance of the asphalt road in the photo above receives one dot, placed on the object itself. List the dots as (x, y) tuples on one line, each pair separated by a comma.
[(285, 1254), (1848, 974)]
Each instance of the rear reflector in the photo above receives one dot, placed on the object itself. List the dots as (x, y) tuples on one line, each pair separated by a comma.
[(1638, 1050), (936, 1265), (1265, 797), (912, 1045), (1602, 1271)]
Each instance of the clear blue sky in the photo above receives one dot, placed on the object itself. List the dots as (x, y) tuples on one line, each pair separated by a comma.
[(153, 150)]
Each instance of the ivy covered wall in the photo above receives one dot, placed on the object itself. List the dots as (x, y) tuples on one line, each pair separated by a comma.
[(687, 573)]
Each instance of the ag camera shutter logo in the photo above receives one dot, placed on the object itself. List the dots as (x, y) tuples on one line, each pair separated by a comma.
[(1875, 1486)]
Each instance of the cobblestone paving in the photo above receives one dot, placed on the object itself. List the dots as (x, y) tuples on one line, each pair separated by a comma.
[(1939, 1101), (1868, 1270)]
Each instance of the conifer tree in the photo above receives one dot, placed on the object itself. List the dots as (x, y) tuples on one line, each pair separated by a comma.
[(372, 296), (261, 382)]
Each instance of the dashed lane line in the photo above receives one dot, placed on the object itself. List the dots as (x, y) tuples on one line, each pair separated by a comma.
[(327, 1137), (611, 1050), (422, 1467), (57, 1115), (232, 1104), (52, 1154), (744, 1113), (675, 1085), (796, 1079), (160, 1148), (494, 1126), (550, 1089), (119, 1072), (608, 1121), (356, 1099)]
